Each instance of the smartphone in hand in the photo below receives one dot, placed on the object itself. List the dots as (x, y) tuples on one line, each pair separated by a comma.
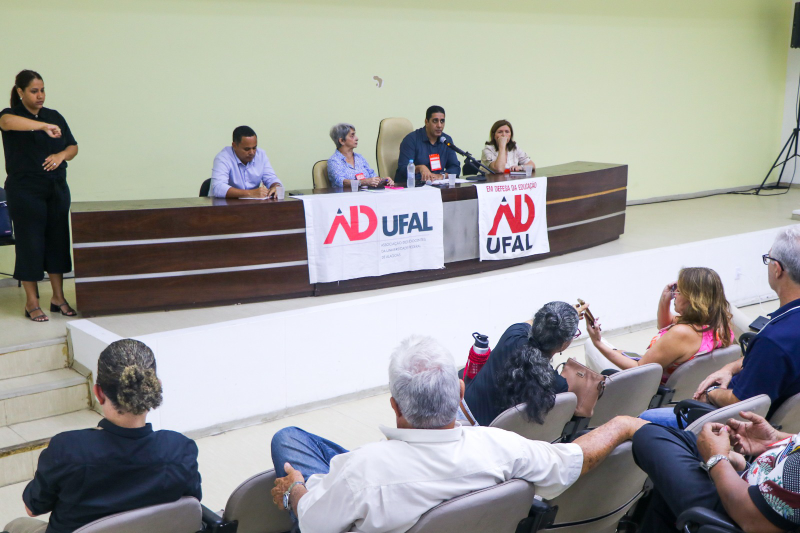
[(587, 313)]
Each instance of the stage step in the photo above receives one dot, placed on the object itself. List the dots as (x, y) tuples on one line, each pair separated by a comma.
[(22, 361), (21, 444), (42, 395)]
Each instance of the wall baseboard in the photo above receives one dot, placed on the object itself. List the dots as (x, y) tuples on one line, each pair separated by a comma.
[(698, 194)]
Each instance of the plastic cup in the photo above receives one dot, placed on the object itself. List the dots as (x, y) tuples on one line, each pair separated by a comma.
[(280, 192), (528, 170), (354, 185), (451, 180)]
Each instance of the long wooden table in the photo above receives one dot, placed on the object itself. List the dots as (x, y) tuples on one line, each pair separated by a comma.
[(190, 252)]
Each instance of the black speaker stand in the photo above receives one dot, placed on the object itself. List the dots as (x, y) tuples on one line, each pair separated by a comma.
[(791, 153)]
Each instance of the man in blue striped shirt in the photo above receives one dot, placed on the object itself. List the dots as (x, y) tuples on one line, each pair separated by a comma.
[(243, 170)]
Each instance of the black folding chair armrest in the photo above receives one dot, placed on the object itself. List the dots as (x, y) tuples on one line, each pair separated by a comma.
[(706, 520), (687, 411), (540, 516), (662, 397), (212, 522)]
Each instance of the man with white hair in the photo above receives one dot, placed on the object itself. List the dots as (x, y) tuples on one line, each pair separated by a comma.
[(386, 486), (772, 363)]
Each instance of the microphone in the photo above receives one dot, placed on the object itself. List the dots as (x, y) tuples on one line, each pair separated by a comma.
[(443, 140)]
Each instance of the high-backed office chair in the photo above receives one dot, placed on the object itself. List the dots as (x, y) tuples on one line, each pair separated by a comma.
[(205, 188), (498, 509), (627, 392), (514, 419), (687, 377), (319, 175), (391, 133), (601, 497), (787, 416), (757, 404), (182, 516)]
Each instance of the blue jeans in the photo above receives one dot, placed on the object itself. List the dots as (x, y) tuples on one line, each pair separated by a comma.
[(663, 416), (306, 452)]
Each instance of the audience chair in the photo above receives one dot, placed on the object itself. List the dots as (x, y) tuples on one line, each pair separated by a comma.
[(250, 509), (391, 133), (599, 499), (514, 419), (498, 509), (702, 520), (627, 392), (205, 188), (787, 416), (319, 175), (687, 377), (182, 516), (757, 404)]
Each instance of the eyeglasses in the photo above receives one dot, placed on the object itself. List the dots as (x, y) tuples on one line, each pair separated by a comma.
[(577, 334), (767, 258)]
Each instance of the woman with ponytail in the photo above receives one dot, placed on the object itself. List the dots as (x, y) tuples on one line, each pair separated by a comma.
[(120, 465), (38, 143), (519, 368)]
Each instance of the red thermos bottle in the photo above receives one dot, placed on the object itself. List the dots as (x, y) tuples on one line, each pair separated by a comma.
[(478, 355)]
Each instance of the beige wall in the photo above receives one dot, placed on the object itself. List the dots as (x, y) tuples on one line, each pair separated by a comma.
[(689, 93)]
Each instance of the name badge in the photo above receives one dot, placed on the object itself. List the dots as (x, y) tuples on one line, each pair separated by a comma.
[(436, 164), (360, 176)]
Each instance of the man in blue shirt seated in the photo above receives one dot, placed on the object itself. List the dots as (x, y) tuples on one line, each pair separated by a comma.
[(772, 363), (243, 170), (433, 160)]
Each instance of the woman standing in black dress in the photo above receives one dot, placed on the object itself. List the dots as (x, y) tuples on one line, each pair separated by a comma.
[(38, 143)]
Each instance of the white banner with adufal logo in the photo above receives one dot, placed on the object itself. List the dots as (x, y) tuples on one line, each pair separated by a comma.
[(364, 234), (512, 218)]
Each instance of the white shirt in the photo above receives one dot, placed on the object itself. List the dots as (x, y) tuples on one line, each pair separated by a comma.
[(387, 486), (514, 158)]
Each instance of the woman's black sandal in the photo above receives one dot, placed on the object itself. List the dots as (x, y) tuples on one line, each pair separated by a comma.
[(40, 318), (60, 309)]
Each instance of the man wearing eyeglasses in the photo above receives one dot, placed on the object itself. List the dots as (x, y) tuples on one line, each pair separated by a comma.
[(772, 362)]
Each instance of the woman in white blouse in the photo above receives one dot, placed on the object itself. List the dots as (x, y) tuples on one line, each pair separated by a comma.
[(501, 152)]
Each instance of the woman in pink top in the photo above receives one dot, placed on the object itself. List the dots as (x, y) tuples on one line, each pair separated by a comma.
[(702, 324)]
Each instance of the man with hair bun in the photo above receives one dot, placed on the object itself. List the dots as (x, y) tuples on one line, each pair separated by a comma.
[(122, 464), (428, 459)]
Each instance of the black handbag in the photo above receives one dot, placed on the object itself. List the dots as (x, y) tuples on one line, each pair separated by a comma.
[(6, 230)]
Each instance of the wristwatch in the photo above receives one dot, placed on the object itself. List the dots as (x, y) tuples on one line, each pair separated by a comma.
[(286, 495), (707, 466)]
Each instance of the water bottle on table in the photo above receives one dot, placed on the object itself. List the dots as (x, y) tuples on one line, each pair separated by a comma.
[(411, 175)]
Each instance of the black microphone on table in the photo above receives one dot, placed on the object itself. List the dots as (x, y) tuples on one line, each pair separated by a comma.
[(480, 177)]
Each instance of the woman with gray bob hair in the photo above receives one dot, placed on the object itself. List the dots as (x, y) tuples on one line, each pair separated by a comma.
[(346, 166), (425, 387)]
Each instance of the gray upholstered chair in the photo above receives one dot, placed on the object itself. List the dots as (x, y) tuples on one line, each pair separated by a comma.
[(250, 504), (391, 133), (182, 516), (788, 415), (601, 497), (498, 509), (688, 376), (627, 392), (757, 404), (319, 175), (514, 419)]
